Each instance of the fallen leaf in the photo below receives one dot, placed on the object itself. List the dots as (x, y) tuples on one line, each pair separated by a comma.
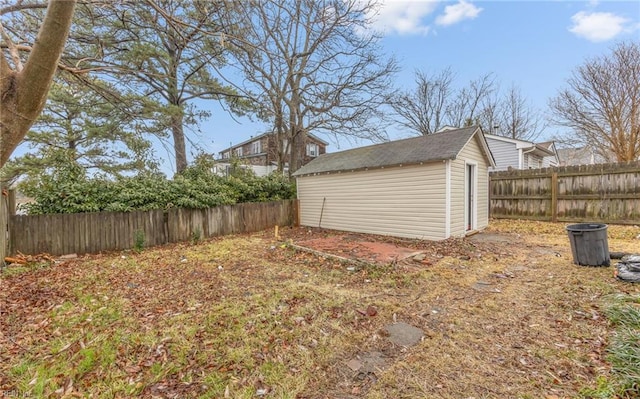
[(371, 311)]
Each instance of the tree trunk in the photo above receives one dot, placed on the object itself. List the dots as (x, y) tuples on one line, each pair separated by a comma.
[(179, 142), (23, 93)]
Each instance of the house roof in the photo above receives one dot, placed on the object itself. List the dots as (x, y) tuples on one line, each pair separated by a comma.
[(542, 149), (252, 139), (580, 156), (547, 144), (430, 148)]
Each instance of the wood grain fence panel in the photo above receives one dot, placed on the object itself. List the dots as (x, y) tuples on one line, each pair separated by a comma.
[(212, 225), (94, 232), (155, 228), (71, 230), (237, 215), (108, 224), (224, 220), (172, 215), (604, 193), (233, 219), (107, 231), (4, 225), (250, 221), (137, 228), (84, 224)]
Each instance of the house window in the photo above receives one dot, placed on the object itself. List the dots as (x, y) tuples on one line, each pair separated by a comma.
[(225, 155), (238, 151), (312, 150), (256, 147)]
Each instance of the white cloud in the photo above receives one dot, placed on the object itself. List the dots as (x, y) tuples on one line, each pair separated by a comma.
[(403, 17), (597, 26), (457, 13)]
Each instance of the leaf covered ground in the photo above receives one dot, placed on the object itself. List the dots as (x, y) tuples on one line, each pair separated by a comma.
[(505, 314)]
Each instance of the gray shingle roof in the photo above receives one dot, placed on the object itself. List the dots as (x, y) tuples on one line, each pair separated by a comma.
[(430, 148)]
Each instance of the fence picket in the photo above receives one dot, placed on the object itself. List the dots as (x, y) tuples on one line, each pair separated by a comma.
[(607, 193), (106, 231)]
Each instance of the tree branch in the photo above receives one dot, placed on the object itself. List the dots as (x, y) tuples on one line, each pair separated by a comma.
[(22, 107)]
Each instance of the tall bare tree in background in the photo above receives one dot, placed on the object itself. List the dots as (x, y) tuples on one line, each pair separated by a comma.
[(516, 118), (437, 102), (601, 104), (466, 105), (425, 109), (24, 86), (312, 67)]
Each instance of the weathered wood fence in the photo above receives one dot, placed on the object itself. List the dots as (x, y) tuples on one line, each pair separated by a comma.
[(7, 198), (107, 231), (608, 193)]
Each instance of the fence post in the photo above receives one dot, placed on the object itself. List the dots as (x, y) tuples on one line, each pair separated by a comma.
[(554, 196), (4, 223)]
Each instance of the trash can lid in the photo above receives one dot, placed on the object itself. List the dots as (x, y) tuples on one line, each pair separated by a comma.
[(586, 227)]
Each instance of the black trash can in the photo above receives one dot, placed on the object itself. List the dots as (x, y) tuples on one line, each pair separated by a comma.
[(589, 244)]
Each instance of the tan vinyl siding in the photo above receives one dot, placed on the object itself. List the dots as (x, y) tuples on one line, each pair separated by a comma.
[(404, 201), (457, 197), (470, 153)]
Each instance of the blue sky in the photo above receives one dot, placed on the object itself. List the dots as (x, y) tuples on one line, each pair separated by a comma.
[(533, 44)]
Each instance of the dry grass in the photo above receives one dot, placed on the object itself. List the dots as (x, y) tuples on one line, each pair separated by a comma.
[(245, 315)]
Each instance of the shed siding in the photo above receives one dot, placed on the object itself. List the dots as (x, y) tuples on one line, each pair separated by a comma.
[(472, 153), (404, 201), (505, 154)]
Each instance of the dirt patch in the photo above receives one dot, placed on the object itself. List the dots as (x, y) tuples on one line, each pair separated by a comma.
[(376, 249), (357, 248), (490, 237)]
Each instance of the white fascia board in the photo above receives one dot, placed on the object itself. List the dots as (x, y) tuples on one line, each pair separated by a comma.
[(447, 195)]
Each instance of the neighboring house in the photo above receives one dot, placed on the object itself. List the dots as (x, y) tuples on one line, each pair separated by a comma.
[(579, 156), (260, 153), (429, 187), (521, 154)]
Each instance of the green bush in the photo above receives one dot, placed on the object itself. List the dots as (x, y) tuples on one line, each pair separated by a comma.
[(71, 191)]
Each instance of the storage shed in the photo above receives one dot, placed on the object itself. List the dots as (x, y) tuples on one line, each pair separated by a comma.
[(430, 187)]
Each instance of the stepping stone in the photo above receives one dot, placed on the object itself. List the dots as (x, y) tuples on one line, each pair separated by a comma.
[(404, 334)]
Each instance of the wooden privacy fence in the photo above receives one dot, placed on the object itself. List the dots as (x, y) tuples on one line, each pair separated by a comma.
[(107, 231), (608, 193), (6, 199)]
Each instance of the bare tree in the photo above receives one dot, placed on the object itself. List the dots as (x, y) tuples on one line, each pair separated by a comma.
[(425, 109), (466, 106), (436, 102), (24, 87), (601, 104), (516, 118), (312, 67)]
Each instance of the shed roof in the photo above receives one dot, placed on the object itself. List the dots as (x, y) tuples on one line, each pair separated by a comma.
[(433, 147)]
